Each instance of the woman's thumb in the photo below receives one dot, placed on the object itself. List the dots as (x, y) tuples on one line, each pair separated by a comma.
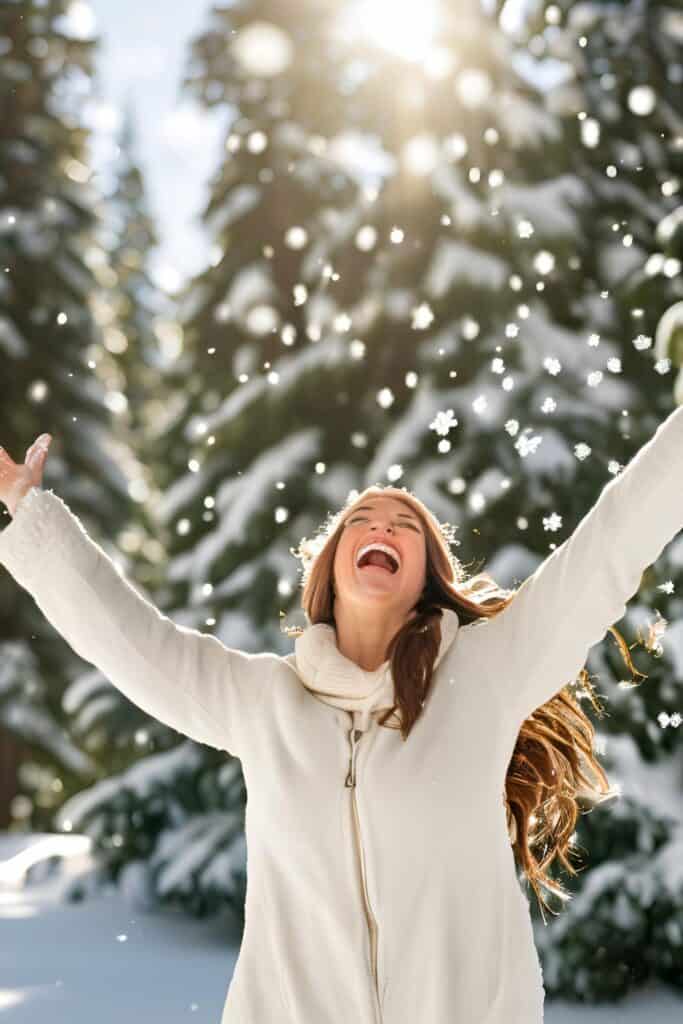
[(37, 453)]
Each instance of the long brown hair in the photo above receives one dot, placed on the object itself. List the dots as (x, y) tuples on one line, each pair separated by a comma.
[(553, 768)]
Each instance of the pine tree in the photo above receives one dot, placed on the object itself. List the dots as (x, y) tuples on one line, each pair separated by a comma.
[(619, 104), (123, 809), (130, 237), (51, 345)]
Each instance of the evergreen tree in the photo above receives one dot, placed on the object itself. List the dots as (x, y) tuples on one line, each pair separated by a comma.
[(51, 346), (121, 808), (619, 104), (129, 236)]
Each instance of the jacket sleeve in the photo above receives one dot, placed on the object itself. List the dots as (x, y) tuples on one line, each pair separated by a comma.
[(541, 640), (186, 679)]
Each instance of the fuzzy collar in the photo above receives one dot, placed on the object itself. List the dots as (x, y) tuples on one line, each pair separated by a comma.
[(335, 679)]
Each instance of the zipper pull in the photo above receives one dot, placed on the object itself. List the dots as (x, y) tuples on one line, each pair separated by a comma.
[(355, 735)]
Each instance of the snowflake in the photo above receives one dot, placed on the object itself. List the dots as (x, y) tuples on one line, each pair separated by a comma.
[(582, 450), (526, 445), (552, 365), (552, 522), (422, 316), (443, 421)]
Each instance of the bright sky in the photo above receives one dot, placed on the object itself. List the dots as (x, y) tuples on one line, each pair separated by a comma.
[(142, 55)]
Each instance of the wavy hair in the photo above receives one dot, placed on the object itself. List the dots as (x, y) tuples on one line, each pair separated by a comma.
[(553, 769)]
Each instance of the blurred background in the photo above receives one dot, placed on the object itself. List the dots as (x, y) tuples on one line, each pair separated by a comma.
[(259, 254)]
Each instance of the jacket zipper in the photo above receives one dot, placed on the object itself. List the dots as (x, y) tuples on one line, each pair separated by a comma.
[(354, 735)]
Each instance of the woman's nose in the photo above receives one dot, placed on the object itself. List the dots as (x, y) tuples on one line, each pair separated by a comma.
[(379, 526)]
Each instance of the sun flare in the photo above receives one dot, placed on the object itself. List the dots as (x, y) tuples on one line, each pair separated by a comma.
[(401, 26)]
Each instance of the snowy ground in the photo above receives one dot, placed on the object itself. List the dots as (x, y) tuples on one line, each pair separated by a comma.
[(105, 960)]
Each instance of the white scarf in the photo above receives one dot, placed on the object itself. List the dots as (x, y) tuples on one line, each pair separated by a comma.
[(335, 679)]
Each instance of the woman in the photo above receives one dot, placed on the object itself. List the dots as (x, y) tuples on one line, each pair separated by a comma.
[(381, 878)]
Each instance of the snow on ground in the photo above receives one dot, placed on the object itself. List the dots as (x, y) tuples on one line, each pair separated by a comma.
[(106, 960)]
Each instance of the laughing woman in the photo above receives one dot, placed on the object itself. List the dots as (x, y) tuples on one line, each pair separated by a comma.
[(421, 742)]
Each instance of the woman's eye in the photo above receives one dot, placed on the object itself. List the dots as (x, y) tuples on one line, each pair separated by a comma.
[(358, 519)]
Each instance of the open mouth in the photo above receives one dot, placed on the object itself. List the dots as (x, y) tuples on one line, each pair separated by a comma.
[(378, 558)]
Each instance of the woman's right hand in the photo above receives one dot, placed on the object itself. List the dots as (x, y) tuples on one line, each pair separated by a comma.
[(17, 478)]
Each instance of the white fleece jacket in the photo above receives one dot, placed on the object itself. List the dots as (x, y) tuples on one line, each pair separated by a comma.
[(394, 901)]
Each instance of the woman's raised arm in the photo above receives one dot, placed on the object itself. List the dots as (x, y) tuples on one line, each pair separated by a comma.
[(540, 641), (189, 680)]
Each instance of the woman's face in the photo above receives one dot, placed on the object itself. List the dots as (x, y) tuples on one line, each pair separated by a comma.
[(391, 522)]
